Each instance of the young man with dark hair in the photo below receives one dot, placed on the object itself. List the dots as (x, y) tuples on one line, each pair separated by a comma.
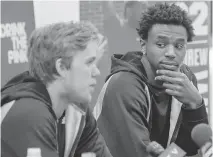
[(151, 95), (46, 107)]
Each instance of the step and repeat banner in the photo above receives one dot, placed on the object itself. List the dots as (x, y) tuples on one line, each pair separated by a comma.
[(197, 56), (17, 22)]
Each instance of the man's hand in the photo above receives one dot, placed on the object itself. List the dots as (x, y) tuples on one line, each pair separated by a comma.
[(206, 150), (178, 85), (154, 149)]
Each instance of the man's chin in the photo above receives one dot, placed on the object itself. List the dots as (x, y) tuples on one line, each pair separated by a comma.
[(83, 100), (87, 100)]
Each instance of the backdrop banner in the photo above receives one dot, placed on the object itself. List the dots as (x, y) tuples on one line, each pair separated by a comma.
[(17, 22), (197, 51), (197, 56)]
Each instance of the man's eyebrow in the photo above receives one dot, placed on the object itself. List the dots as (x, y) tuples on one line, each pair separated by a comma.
[(181, 39), (162, 37)]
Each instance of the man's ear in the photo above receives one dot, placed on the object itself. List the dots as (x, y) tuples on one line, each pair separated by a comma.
[(142, 42), (143, 46), (60, 67)]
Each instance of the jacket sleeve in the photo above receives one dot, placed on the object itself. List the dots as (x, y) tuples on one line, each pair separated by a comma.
[(91, 140), (28, 124), (123, 119), (190, 118)]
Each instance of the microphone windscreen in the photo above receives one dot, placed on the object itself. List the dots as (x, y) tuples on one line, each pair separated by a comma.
[(201, 134)]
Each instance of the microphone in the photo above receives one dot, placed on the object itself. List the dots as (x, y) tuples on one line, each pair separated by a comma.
[(201, 134), (154, 149), (173, 151)]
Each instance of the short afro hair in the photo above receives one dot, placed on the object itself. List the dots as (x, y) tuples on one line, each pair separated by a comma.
[(164, 13)]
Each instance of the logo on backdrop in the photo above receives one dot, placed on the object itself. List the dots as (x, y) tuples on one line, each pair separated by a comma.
[(17, 23), (17, 34), (198, 50)]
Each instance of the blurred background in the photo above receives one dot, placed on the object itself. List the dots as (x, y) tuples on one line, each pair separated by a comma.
[(19, 18)]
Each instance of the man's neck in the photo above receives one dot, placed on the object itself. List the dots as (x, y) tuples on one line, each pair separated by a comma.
[(59, 104)]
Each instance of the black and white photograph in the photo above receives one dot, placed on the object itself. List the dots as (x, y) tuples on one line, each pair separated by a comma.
[(107, 78)]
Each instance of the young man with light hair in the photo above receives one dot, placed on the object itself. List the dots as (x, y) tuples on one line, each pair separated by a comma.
[(46, 107)]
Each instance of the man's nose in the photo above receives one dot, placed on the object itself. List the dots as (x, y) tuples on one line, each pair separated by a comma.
[(170, 52), (96, 72)]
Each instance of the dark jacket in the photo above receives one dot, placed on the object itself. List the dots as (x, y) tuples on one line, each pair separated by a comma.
[(126, 111), (28, 120)]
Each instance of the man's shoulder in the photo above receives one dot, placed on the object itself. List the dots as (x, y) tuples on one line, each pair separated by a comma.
[(30, 109), (127, 78), (127, 84), (29, 123)]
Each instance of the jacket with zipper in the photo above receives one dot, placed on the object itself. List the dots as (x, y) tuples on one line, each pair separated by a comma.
[(28, 120), (126, 108)]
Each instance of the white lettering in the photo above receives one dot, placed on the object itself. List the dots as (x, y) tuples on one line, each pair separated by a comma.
[(204, 56), (16, 32), (10, 56), (15, 56), (196, 57), (14, 41), (13, 29), (19, 42), (199, 10)]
